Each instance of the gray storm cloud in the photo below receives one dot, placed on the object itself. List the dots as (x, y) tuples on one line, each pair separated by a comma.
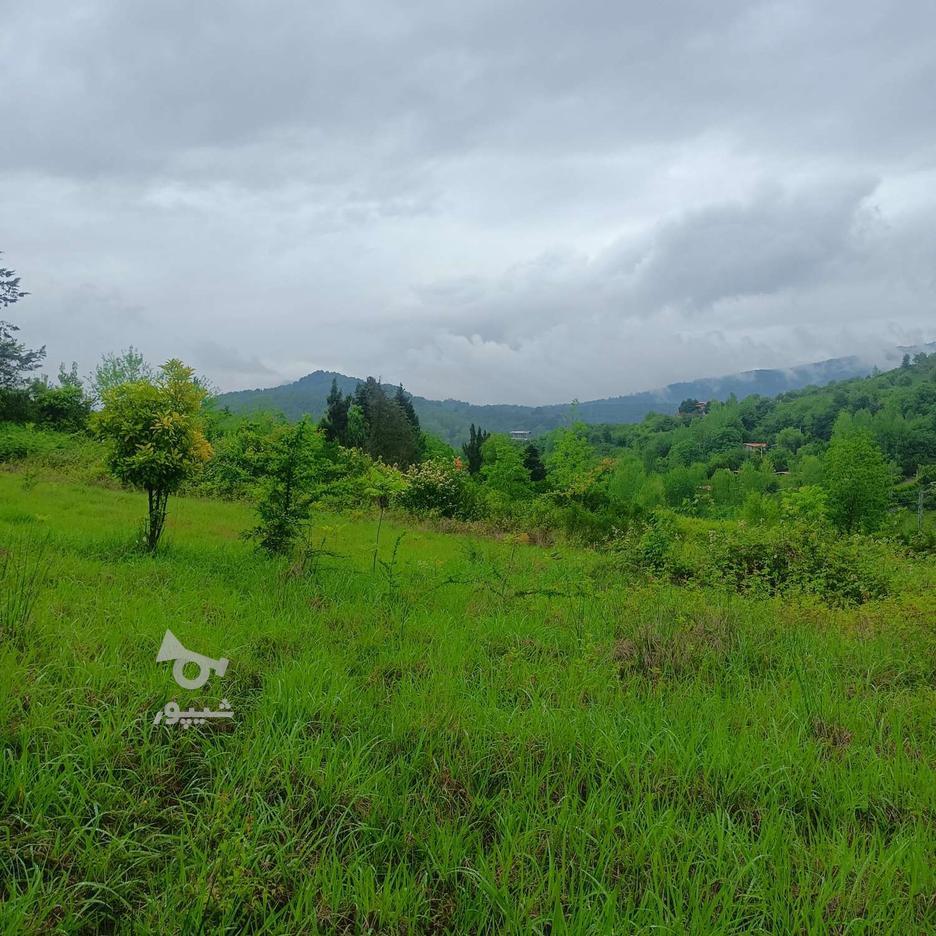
[(521, 201)]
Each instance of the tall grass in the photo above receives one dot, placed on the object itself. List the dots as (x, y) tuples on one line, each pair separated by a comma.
[(24, 564), (544, 748)]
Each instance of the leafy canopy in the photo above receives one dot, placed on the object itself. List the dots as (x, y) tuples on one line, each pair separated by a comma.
[(153, 428)]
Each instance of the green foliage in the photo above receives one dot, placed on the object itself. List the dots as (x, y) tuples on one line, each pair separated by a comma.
[(116, 368), (439, 489), (569, 463), (797, 559), (808, 505), (65, 407), (390, 429), (626, 481), (533, 462), (287, 471), (503, 470), (153, 430), (791, 559), (472, 449), (857, 480), (334, 423), (16, 360), (681, 485), (759, 510)]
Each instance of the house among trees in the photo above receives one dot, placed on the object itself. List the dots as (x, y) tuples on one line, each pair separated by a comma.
[(520, 435), (759, 447)]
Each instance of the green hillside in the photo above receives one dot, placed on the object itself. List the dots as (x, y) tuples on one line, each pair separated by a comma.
[(450, 419)]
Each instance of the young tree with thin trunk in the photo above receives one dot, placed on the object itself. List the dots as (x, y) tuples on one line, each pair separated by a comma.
[(154, 432)]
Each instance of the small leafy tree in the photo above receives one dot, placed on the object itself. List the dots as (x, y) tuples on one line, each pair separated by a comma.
[(503, 471), (154, 434), (116, 369), (287, 485), (807, 505), (570, 462), (857, 480)]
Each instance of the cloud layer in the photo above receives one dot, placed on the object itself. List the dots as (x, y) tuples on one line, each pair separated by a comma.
[(525, 201)]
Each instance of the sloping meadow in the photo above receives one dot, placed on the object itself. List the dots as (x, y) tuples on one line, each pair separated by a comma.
[(457, 735)]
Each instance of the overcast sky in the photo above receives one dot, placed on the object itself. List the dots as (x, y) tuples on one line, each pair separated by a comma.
[(502, 201)]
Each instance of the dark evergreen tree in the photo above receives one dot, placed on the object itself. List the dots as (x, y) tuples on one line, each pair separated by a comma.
[(405, 401), (388, 432), (533, 462), (335, 420), (472, 448)]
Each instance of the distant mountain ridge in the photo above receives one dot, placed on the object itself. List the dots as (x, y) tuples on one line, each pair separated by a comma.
[(450, 419)]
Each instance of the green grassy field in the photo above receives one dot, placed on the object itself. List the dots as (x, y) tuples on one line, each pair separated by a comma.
[(476, 737)]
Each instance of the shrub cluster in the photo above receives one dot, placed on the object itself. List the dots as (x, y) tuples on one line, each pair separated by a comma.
[(437, 489), (759, 560)]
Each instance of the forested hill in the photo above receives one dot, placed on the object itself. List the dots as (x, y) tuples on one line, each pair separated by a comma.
[(897, 407), (450, 419)]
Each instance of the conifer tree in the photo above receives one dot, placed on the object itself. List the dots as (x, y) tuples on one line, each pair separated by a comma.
[(533, 462), (335, 420), (472, 448)]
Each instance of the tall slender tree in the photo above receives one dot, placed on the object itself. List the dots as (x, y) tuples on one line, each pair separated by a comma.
[(472, 448), (335, 420)]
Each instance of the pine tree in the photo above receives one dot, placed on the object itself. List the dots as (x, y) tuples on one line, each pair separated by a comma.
[(472, 448), (533, 462), (335, 420), (405, 401), (389, 434)]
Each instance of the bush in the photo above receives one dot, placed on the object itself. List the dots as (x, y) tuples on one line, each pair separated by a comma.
[(74, 455), (762, 561), (797, 559), (436, 489)]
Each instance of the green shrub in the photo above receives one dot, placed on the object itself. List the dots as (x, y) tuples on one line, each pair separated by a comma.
[(797, 559), (437, 489), (72, 454), (758, 560)]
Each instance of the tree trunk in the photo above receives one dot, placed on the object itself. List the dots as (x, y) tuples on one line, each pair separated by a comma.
[(158, 500)]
